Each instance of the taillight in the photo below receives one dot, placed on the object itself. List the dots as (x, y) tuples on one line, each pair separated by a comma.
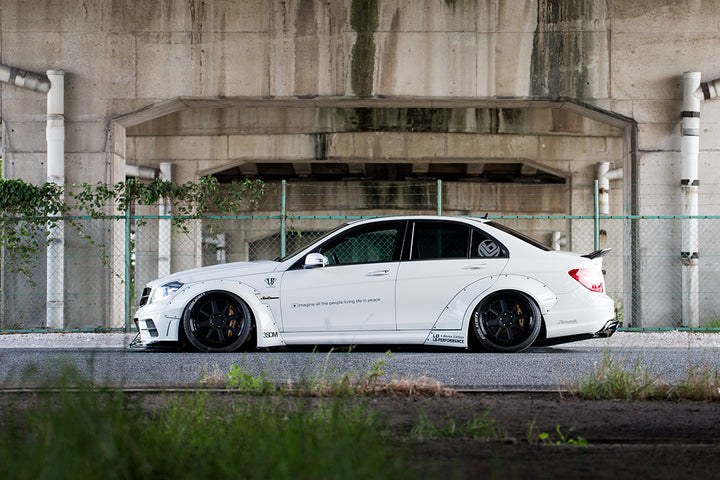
[(588, 278)]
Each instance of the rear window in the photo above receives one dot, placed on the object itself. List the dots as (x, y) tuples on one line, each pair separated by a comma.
[(519, 235)]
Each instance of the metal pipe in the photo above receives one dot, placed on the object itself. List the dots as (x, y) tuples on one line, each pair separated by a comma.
[(596, 221), (55, 259), (21, 78), (218, 241), (708, 90), (164, 225), (604, 176), (689, 183), (146, 173), (283, 214), (439, 197)]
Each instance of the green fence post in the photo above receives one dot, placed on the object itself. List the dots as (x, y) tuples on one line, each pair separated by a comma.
[(282, 219), (439, 197), (128, 283), (596, 194)]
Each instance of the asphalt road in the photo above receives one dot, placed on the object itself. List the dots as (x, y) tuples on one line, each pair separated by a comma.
[(104, 358)]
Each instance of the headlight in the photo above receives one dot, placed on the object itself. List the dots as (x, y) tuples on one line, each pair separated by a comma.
[(164, 291)]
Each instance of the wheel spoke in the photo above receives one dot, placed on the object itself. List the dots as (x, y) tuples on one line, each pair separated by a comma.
[(213, 305), (202, 322), (493, 322), (509, 333), (503, 305)]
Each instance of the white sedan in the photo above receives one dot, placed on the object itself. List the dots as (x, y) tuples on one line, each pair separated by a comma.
[(411, 280)]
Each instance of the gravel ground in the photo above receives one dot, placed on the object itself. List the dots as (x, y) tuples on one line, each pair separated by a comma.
[(66, 340), (621, 340)]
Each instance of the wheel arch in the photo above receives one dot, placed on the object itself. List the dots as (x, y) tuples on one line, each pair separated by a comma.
[(539, 293), (490, 338), (264, 327)]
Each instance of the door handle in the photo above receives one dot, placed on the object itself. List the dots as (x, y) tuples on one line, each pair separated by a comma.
[(377, 273), (478, 266)]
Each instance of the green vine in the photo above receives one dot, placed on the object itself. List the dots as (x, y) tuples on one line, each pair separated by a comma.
[(189, 199), (28, 211), (37, 207)]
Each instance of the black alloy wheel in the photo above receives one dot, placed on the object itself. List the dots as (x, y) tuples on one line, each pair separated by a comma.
[(217, 322), (507, 322)]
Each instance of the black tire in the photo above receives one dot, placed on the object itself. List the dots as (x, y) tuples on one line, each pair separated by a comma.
[(506, 322), (217, 322)]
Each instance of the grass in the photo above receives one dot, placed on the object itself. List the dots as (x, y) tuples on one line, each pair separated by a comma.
[(480, 427), (612, 379), (84, 432)]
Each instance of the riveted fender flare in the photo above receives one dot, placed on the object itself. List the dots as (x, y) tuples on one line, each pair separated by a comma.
[(268, 334), (540, 293), (453, 324)]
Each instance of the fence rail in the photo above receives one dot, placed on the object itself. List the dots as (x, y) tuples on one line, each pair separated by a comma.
[(108, 260)]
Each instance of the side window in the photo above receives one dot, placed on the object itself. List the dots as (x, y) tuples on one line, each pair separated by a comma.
[(433, 240), (484, 246), (376, 244)]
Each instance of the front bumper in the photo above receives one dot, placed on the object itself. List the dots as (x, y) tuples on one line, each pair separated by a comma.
[(154, 325)]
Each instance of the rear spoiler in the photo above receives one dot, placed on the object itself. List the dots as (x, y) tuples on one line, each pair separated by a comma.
[(597, 253)]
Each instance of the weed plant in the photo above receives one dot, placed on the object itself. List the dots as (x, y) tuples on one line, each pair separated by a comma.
[(558, 437), (482, 427), (611, 380)]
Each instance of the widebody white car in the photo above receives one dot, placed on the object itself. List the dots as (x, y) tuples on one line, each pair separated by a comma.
[(413, 280)]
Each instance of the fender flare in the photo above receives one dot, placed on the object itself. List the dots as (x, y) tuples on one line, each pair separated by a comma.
[(454, 322), (267, 332)]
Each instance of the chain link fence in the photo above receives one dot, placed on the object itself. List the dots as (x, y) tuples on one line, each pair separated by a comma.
[(106, 262)]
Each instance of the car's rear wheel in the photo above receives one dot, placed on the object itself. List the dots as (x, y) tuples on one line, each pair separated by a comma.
[(217, 322), (506, 322)]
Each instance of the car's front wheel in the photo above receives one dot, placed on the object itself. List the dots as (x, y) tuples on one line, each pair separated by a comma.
[(217, 322), (506, 322)]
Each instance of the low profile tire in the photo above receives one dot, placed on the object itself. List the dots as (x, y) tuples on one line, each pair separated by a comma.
[(506, 322), (217, 322)]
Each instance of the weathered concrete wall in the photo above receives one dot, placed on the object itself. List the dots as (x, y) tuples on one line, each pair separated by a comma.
[(121, 57)]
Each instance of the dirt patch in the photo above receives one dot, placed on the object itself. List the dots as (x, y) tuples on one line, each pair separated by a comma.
[(625, 439)]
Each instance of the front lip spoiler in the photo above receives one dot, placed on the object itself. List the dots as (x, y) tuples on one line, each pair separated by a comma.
[(137, 345)]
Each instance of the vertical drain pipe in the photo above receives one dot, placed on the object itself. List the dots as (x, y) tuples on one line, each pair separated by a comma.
[(689, 183), (604, 176), (55, 260), (164, 225)]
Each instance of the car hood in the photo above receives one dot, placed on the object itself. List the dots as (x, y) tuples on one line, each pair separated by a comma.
[(214, 272)]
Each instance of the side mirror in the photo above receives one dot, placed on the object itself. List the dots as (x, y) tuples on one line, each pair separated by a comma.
[(315, 260)]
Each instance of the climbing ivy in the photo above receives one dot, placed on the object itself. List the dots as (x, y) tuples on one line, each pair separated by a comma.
[(189, 199), (28, 211), (37, 207)]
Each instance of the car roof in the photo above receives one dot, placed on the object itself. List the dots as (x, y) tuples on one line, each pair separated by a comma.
[(464, 219)]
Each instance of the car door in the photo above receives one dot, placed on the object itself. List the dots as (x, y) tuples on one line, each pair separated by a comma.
[(444, 257), (355, 291)]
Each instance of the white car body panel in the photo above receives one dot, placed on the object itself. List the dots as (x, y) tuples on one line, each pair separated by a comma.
[(404, 301), (339, 298), (422, 299)]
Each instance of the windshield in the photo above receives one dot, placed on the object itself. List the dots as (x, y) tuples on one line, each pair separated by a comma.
[(314, 240), (519, 235)]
